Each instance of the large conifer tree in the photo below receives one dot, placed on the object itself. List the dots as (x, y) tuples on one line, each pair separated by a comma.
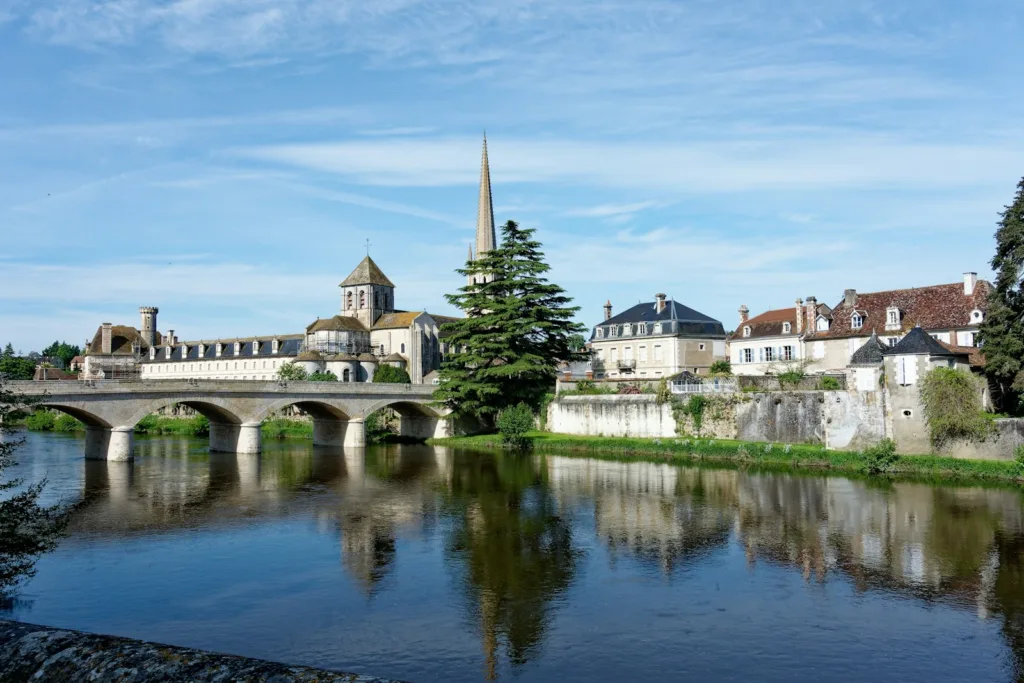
[(1002, 332), (518, 327)]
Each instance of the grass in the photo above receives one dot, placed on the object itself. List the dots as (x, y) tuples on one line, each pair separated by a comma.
[(802, 457), (283, 428)]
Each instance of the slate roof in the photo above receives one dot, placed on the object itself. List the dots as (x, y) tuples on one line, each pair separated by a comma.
[(941, 307), (338, 323), (918, 341), (121, 339), (870, 353), (367, 273), (683, 320), (263, 347), (768, 324)]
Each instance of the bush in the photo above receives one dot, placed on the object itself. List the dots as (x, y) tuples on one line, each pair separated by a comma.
[(513, 424), (721, 367), (630, 389), (1019, 460), (881, 457), (66, 423), (291, 371), (663, 394), (827, 383), (326, 376), (389, 374), (790, 378), (952, 407), (40, 421)]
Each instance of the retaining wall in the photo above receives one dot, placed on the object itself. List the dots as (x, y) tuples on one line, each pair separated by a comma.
[(1009, 434)]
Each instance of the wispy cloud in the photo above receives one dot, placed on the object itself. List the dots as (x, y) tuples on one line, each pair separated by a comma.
[(610, 210)]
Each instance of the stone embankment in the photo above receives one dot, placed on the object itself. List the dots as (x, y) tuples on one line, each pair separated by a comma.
[(39, 653)]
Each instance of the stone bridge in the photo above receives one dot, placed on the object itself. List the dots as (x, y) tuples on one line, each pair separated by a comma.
[(236, 408)]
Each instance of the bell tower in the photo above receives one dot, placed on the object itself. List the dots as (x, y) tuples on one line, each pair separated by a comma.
[(367, 293)]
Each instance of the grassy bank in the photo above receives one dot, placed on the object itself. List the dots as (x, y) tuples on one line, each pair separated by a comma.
[(804, 457)]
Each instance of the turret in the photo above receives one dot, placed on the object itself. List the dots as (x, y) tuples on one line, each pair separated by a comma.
[(148, 324)]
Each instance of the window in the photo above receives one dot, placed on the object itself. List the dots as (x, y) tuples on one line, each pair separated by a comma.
[(657, 328), (627, 330), (403, 348), (362, 298), (700, 347), (893, 341), (614, 330), (747, 356), (786, 328), (643, 354), (969, 339), (976, 316), (857, 321), (787, 353), (641, 328), (768, 354), (746, 331), (600, 332), (822, 324), (657, 353), (615, 355)]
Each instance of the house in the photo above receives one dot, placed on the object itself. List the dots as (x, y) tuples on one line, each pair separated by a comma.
[(950, 313), (769, 342), (658, 338)]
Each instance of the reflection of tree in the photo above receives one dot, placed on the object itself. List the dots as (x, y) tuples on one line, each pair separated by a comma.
[(1008, 594), (513, 550)]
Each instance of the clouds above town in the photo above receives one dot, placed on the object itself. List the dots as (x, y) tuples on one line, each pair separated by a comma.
[(743, 152)]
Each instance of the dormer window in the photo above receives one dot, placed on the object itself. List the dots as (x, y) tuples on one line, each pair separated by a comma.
[(202, 350), (167, 351), (746, 331), (976, 317), (152, 353), (857, 321), (255, 347), (627, 330), (893, 318), (184, 351), (641, 328), (275, 346), (821, 324), (614, 330), (787, 328), (657, 328), (238, 348), (600, 332), (219, 349)]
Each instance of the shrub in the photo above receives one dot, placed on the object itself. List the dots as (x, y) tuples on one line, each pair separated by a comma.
[(326, 376), (827, 383), (630, 389), (721, 367), (663, 394), (790, 378), (1019, 460), (952, 407), (40, 421), (695, 408), (513, 424), (291, 371), (881, 457), (147, 425), (66, 423), (389, 374)]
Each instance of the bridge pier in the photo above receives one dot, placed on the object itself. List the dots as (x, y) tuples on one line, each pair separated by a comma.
[(339, 433), (423, 427), (355, 434), (235, 438), (102, 443)]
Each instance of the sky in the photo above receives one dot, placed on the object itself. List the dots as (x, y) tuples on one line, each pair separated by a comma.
[(227, 160)]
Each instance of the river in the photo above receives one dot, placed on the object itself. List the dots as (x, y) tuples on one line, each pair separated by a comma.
[(424, 564)]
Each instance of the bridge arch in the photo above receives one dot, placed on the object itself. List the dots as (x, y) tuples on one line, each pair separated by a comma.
[(214, 409), (88, 418), (418, 419), (318, 409)]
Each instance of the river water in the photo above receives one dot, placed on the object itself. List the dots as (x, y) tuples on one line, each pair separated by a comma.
[(425, 563)]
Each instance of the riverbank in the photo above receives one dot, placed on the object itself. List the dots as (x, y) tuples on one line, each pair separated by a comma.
[(689, 451)]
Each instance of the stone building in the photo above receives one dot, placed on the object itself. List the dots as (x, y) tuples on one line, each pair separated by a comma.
[(655, 339), (114, 352), (770, 341), (951, 313)]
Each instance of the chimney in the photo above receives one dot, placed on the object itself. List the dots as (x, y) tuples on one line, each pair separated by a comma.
[(659, 302), (608, 309), (744, 314), (811, 306), (799, 316), (850, 297), (171, 339), (106, 339), (970, 280)]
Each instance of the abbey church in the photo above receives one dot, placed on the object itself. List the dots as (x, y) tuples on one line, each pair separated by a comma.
[(367, 332)]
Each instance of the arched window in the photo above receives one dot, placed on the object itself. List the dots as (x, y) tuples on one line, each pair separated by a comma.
[(403, 348), (345, 376), (362, 298), (348, 301)]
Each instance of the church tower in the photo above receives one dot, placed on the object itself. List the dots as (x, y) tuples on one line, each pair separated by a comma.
[(367, 293), (485, 235)]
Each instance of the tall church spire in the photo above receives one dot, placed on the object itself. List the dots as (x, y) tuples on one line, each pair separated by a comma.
[(485, 238)]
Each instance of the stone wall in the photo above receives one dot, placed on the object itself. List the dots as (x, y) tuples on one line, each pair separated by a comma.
[(40, 653), (1009, 434), (636, 415), (785, 417)]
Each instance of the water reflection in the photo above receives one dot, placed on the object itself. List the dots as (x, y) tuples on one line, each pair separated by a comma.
[(516, 531)]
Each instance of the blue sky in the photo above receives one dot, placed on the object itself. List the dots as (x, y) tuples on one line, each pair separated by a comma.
[(226, 159)]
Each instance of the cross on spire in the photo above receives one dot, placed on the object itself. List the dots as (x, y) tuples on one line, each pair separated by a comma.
[(368, 245)]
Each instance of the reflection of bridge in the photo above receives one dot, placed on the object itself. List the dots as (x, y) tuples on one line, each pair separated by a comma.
[(235, 409)]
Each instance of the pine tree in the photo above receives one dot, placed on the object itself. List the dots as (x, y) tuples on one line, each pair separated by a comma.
[(518, 327), (1002, 332)]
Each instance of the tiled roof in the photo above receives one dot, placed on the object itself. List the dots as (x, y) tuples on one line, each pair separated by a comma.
[(870, 353), (941, 307), (768, 324), (121, 339), (398, 319), (338, 322), (974, 354), (918, 341), (367, 273)]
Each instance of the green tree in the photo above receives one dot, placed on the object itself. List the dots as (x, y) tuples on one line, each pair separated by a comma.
[(1002, 331), (577, 342), (518, 327), (389, 374), (326, 376), (27, 529), (721, 367), (291, 371), (14, 367), (63, 352)]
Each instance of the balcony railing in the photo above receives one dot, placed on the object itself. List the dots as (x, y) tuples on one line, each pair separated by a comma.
[(627, 364)]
